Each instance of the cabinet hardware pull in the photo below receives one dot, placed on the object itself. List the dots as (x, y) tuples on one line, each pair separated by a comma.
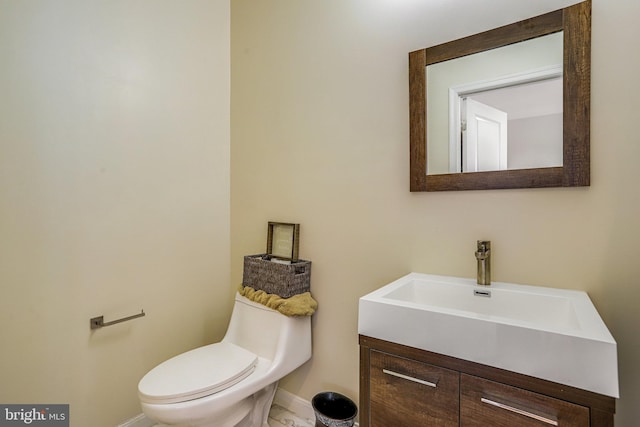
[(406, 377), (519, 411)]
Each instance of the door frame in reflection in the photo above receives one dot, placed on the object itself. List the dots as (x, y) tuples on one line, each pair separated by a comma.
[(456, 93)]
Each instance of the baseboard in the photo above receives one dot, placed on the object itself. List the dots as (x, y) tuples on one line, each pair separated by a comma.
[(295, 404), (138, 421)]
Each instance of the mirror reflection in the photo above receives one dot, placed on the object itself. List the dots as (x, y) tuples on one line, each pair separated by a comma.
[(498, 109)]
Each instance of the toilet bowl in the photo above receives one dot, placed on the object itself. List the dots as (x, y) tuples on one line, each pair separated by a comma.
[(231, 383)]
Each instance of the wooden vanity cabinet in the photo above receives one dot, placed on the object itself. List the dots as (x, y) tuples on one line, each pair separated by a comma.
[(404, 386), (405, 392), (488, 403)]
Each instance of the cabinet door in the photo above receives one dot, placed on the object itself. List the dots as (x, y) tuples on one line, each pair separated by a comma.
[(487, 403), (407, 393)]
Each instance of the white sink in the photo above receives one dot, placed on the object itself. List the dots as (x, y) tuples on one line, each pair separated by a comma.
[(553, 334)]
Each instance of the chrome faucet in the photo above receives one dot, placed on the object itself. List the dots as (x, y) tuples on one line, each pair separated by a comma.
[(483, 255)]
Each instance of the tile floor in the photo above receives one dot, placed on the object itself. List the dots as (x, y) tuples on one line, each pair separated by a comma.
[(280, 417)]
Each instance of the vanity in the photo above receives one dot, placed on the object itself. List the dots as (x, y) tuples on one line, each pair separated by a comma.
[(443, 351)]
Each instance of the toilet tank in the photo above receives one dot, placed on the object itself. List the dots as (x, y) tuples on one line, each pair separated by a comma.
[(268, 333)]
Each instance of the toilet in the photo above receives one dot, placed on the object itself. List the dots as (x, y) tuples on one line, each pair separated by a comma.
[(230, 383)]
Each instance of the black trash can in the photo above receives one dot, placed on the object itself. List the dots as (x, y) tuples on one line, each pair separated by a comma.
[(334, 410)]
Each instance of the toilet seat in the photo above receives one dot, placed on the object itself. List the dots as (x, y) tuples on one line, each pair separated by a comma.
[(197, 373)]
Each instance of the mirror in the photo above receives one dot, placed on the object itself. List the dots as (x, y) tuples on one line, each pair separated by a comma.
[(460, 105), (496, 110)]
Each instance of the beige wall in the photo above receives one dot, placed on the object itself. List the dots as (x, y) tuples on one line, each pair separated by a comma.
[(320, 136), (114, 182), (114, 195)]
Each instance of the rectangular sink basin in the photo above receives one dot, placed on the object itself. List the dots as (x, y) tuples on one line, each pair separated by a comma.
[(548, 333)]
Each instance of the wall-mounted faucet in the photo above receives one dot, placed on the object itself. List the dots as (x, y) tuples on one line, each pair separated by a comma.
[(483, 255)]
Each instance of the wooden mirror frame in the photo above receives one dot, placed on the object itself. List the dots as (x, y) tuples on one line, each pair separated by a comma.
[(575, 21)]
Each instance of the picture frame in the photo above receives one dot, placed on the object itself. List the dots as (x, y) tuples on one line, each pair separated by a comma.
[(283, 240)]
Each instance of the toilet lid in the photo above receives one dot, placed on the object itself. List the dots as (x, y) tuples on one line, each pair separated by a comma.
[(197, 373)]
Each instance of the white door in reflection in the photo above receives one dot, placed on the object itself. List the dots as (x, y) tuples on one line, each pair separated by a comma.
[(484, 137)]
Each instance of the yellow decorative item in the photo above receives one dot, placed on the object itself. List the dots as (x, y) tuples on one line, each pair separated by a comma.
[(298, 305)]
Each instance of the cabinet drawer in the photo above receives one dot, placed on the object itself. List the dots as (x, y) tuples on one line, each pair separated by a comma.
[(487, 403), (405, 392)]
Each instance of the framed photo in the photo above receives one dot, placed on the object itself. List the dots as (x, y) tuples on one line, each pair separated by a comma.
[(283, 240)]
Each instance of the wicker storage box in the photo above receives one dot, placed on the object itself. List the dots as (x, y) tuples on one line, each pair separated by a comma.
[(285, 280)]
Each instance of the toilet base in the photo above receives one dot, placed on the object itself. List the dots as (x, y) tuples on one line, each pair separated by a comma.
[(252, 411), (262, 405)]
